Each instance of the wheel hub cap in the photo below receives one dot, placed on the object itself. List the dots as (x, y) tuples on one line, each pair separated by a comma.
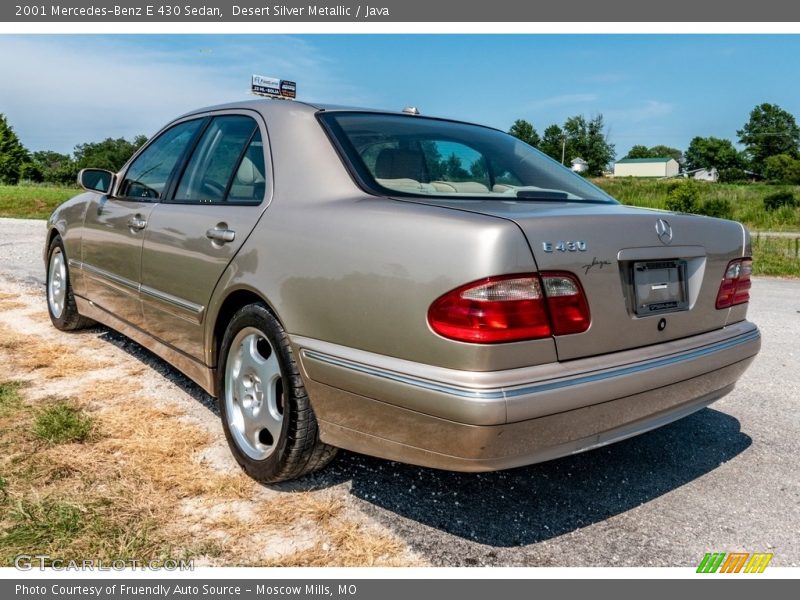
[(57, 283), (253, 394)]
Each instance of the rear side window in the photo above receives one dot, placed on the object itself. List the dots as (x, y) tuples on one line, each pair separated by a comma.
[(227, 164), (150, 171)]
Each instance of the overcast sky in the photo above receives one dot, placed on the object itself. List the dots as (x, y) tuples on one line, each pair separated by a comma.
[(61, 90)]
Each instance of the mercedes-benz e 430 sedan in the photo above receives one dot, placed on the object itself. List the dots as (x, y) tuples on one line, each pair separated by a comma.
[(418, 289)]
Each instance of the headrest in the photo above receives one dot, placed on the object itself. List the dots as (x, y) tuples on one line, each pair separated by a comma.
[(394, 163)]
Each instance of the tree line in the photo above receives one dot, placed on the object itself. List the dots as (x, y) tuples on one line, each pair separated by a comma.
[(46, 166), (770, 140)]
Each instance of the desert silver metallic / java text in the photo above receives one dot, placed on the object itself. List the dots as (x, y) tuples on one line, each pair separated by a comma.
[(253, 398), (57, 283)]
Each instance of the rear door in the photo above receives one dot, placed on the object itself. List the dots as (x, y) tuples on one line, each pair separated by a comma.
[(193, 236), (116, 226)]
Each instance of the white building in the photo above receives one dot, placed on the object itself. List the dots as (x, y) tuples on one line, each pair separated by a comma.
[(646, 167), (579, 165), (706, 174)]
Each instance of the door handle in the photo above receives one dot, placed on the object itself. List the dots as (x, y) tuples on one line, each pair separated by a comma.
[(137, 223), (221, 234)]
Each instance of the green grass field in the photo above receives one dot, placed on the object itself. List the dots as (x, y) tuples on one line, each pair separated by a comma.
[(32, 201), (747, 200)]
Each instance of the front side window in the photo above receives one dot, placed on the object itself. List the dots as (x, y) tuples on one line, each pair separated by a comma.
[(227, 165), (411, 155), (148, 174)]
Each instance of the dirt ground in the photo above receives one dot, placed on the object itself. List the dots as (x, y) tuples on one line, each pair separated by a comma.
[(150, 475)]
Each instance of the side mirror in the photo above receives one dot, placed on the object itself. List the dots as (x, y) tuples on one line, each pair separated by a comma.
[(96, 180)]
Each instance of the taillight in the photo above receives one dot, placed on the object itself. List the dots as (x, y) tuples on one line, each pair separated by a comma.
[(735, 286), (511, 308), (567, 303)]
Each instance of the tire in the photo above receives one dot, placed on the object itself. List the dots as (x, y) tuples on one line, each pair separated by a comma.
[(266, 414), (61, 304)]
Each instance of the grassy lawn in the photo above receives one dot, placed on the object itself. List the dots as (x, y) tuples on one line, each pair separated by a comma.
[(778, 257), (747, 200), (32, 201), (111, 472)]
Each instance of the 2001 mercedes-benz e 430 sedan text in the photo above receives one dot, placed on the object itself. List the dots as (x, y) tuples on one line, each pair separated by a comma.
[(418, 289)]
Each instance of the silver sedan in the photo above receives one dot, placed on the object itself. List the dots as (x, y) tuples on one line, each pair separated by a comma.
[(419, 289)]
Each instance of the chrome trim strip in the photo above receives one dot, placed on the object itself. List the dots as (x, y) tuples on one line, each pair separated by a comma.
[(103, 274), (195, 309), (500, 393)]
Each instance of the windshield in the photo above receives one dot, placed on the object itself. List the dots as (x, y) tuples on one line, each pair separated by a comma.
[(417, 156)]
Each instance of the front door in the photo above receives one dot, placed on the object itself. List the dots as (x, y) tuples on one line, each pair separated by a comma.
[(115, 227)]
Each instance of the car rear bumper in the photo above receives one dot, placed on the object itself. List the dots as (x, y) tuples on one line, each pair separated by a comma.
[(475, 421)]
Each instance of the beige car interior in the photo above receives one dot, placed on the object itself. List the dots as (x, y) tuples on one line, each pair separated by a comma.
[(404, 170)]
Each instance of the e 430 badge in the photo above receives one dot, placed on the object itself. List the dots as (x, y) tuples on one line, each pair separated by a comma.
[(565, 246)]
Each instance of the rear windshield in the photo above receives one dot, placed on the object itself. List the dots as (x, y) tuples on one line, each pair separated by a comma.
[(417, 156)]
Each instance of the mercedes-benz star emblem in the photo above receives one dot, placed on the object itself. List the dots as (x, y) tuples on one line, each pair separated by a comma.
[(663, 231)]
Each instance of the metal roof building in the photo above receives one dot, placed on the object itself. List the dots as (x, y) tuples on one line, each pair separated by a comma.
[(646, 167)]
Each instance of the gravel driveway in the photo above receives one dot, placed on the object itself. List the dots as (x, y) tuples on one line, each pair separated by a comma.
[(724, 479)]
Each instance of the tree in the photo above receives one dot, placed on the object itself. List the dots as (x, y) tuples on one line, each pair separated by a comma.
[(526, 132), (639, 151), (769, 132), (453, 169), (782, 168), (587, 140), (551, 142), (660, 151), (713, 153), (109, 154), (55, 167), (13, 154)]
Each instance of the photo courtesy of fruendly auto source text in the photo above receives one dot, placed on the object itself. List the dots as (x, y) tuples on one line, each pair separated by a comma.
[(331, 299)]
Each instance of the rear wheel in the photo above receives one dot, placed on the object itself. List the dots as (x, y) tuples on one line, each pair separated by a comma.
[(268, 421), (60, 300)]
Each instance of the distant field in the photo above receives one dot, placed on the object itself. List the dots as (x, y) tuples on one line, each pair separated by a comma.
[(747, 200), (32, 201)]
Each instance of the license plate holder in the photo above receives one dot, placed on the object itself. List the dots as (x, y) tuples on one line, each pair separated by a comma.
[(660, 286)]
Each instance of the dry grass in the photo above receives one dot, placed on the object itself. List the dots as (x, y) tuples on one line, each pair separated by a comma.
[(54, 360), (10, 301), (116, 480), (348, 544), (9, 339), (307, 507)]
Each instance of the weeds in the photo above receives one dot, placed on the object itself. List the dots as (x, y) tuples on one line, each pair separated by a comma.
[(10, 397), (62, 423)]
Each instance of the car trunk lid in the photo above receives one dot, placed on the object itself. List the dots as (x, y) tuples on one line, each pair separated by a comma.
[(649, 276)]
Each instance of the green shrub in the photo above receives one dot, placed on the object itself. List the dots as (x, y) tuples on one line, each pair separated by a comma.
[(779, 199), (684, 197), (717, 207), (732, 175)]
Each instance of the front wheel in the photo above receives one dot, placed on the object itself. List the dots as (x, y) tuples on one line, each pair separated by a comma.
[(268, 420), (60, 300)]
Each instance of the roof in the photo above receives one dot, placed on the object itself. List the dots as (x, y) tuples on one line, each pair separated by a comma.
[(280, 107), (579, 161), (662, 159)]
